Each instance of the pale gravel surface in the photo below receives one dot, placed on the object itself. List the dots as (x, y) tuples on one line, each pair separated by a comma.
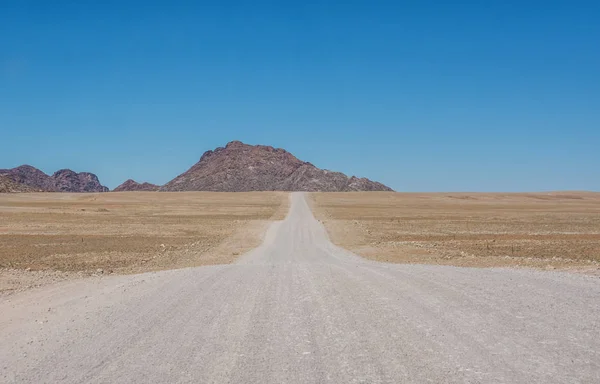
[(301, 310)]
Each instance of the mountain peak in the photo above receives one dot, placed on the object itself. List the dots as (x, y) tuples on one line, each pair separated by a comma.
[(132, 185), (242, 167), (235, 143)]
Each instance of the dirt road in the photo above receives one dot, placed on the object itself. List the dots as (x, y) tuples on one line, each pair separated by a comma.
[(300, 310)]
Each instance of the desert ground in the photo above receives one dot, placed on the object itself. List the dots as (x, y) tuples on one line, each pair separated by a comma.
[(299, 309), (544, 230), (52, 236), (47, 237)]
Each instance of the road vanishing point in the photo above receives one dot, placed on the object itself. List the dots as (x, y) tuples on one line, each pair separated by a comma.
[(298, 309)]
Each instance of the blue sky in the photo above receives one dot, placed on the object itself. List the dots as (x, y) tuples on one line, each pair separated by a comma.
[(423, 96)]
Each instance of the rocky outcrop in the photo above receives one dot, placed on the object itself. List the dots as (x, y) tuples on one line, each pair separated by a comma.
[(66, 180), (8, 185), (132, 185), (241, 167), (63, 180), (30, 176)]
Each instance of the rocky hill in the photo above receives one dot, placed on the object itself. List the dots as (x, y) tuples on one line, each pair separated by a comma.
[(30, 176), (66, 180), (132, 185), (8, 185), (63, 180), (241, 167)]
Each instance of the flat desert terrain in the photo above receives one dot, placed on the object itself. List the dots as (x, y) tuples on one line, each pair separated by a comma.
[(52, 236), (299, 309), (545, 230)]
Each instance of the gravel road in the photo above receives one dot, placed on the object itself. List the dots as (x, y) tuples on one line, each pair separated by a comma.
[(301, 310)]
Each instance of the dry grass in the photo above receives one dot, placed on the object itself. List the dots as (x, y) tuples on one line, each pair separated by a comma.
[(552, 230), (131, 231)]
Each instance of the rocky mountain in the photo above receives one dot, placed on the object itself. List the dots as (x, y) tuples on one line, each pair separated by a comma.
[(30, 176), (63, 180), (242, 167), (132, 185), (66, 180), (7, 185)]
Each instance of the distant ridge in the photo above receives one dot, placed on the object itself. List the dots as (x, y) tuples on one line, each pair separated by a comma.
[(132, 185), (63, 180), (239, 167)]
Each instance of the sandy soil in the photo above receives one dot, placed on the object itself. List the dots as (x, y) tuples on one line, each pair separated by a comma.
[(298, 309), (546, 230), (46, 237)]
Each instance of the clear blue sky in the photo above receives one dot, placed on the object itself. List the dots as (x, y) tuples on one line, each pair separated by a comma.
[(423, 96)]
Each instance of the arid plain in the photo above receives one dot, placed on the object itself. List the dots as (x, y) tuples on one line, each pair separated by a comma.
[(45, 237), (299, 309), (556, 230)]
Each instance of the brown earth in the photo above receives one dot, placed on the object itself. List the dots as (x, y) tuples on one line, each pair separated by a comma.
[(55, 236), (547, 230), (240, 167)]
